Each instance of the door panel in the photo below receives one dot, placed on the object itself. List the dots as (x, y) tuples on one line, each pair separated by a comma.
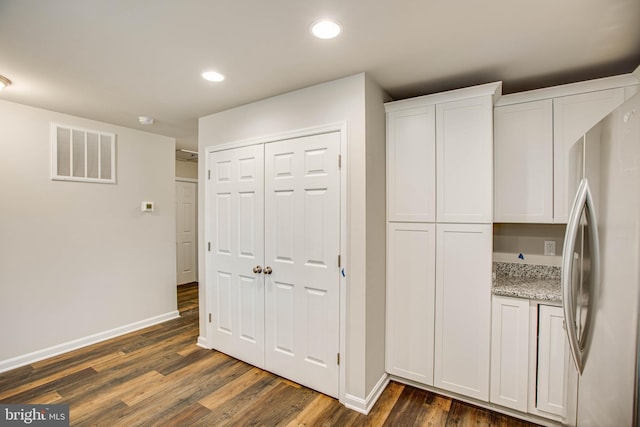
[(237, 197), (302, 212), (411, 300), (463, 309), (186, 232)]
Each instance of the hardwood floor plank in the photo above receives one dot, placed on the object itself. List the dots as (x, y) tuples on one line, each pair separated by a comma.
[(233, 388), (381, 410), (185, 417), (166, 384), (28, 394), (408, 410), (89, 407), (462, 414), (45, 399), (436, 410), (313, 412), (52, 375), (228, 412), (277, 407)]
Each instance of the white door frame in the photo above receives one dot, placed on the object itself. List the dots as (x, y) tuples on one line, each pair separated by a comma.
[(331, 127)]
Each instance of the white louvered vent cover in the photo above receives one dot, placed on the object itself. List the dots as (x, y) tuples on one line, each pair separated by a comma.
[(82, 155)]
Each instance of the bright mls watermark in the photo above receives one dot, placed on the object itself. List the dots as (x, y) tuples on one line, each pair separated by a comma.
[(34, 415)]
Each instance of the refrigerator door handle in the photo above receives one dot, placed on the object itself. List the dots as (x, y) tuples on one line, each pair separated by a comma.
[(579, 347)]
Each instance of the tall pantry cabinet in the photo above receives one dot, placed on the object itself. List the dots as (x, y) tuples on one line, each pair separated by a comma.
[(439, 239)]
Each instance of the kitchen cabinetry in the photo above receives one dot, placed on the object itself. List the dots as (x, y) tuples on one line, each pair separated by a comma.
[(411, 154), (524, 162), (530, 360), (573, 116), (553, 361), (510, 352), (463, 308), (439, 239), (531, 185), (410, 301), (464, 137)]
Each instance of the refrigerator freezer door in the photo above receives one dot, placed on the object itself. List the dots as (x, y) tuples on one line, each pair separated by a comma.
[(607, 384)]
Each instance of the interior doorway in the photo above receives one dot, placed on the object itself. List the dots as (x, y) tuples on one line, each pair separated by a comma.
[(186, 231)]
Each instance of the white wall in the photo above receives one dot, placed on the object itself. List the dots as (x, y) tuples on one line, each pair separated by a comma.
[(376, 231), (78, 259), (527, 238), (186, 169), (337, 101)]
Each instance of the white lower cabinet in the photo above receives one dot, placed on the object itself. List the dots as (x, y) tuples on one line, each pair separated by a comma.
[(553, 361), (463, 309), (410, 300), (530, 361), (510, 352)]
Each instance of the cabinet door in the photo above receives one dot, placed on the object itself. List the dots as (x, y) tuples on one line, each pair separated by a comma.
[(464, 147), (411, 301), (509, 352), (573, 116), (552, 361), (411, 165), (463, 309), (523, 149)]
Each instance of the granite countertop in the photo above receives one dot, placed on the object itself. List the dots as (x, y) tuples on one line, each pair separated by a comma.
[(534, 282)]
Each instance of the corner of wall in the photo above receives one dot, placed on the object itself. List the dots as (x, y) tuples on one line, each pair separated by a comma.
[(375, 233)]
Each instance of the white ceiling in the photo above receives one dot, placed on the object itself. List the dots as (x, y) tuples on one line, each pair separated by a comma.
[(114, 60)]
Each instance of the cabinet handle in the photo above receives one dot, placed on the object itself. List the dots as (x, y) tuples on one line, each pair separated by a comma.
[(267, 270), (257, 269)]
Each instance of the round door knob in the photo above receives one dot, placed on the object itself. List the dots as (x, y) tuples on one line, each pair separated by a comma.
[(257, 269), (267, 270)]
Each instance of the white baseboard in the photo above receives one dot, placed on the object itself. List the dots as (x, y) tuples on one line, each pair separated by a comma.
[(25, 359), (364, 405), (202, 342)]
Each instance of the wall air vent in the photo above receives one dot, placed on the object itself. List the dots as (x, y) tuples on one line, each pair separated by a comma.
[(82, 155)]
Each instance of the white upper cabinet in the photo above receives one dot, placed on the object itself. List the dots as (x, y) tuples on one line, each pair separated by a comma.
[(523, 143), (573, 116), (464, 146), (532, 183), (411, 164), (440, 156)]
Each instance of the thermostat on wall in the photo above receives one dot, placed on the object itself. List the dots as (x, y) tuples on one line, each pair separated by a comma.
[(147, 207)]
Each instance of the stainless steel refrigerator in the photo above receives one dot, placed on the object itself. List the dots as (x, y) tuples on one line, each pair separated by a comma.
[(601, 272)]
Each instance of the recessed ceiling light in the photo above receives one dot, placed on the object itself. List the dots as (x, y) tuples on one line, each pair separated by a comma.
[(4, 82), (325, 29), (145, 120), (212, 76)]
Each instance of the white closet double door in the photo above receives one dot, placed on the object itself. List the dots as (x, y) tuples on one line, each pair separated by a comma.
[(275, 238)]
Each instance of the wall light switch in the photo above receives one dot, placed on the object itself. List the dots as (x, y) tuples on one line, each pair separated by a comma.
[(147, 207), (549, 247)]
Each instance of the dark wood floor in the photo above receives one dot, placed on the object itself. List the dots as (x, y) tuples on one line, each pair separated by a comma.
[(158, 376)]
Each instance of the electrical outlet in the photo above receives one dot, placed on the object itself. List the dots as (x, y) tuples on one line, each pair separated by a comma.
[(549, 247)]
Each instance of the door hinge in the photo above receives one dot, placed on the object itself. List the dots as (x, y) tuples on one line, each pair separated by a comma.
[(209, 246), (339, 261), (209, 174), (339, 161), (209, 317), (338, 358)]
